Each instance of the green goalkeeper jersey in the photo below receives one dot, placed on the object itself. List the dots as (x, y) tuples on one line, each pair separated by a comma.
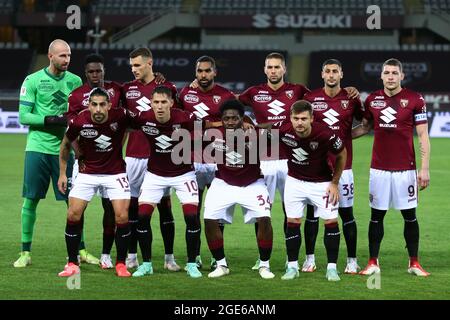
[(43, 94)]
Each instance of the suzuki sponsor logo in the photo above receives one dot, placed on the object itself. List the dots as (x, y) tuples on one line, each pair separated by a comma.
[(201, 110), (164, 142), (263, 21), (276, 107), (300, 155), (388, 117), (143, 104), (330, 117), (233, 158), (103, 142)]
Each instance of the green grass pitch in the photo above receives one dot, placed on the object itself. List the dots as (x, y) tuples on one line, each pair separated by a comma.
[(40, 280)]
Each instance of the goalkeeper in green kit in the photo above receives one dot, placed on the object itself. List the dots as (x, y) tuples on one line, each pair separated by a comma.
[(43, 100)]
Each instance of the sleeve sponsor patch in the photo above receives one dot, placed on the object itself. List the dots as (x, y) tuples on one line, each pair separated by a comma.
[(23, 91), (420, 117)]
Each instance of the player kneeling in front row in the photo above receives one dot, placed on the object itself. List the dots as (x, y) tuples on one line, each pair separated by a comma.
[(100, 131), (237, 181), (311, 181)]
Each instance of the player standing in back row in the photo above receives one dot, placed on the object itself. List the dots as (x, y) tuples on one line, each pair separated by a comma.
[(393, 113), (137, 98), (204, 101), (332, 106)]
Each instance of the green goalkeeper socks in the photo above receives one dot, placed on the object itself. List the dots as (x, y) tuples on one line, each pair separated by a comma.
[(28, 220)]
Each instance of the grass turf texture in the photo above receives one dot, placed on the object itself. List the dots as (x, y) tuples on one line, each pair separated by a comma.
[(40, 280)]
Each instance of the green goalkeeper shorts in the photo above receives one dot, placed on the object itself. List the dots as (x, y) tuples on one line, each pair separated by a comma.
[(39, 167)]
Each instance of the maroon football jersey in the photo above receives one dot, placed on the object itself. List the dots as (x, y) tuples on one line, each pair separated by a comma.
[(205, 105), (394, 119), (307, 157), (136, 97), (100, 144), (337, 113), (79, 98), (270, 105), (159, 137), (235, 165)]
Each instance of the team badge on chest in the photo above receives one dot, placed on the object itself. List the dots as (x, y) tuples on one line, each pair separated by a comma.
[(404, 103), (216, 99), (313, 145), (344, 104), (289, 93)]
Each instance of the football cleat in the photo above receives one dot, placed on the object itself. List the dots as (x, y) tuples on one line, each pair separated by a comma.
[(291, 274), (69, 270), (146, 268), (192, 270), (219, 272), (106, 262), (171, 265), (265, 273), (132, 262), (371, 268), (332, 275), (352, 267), (24, 260), (256, 266), (198, 261), (213, 264), (416, 268), (309, 266), (121, 270), (88, 258)]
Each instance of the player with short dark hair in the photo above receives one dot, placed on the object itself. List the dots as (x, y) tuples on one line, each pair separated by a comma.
[(204, 101), (158, 126), (332, 106), (393, 112), (136, 97), (94, 71), (100, 130), (238, 181), (43, 101), (310, 180)]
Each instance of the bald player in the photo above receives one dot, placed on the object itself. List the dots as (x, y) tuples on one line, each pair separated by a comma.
[(43, 101)]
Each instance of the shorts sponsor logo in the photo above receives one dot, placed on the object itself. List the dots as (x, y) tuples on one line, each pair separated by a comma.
[(89, 133), (190, 98), (262, 98), (377, 104), (133, 94), (290, 142), (150, 130), (319, 106)]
